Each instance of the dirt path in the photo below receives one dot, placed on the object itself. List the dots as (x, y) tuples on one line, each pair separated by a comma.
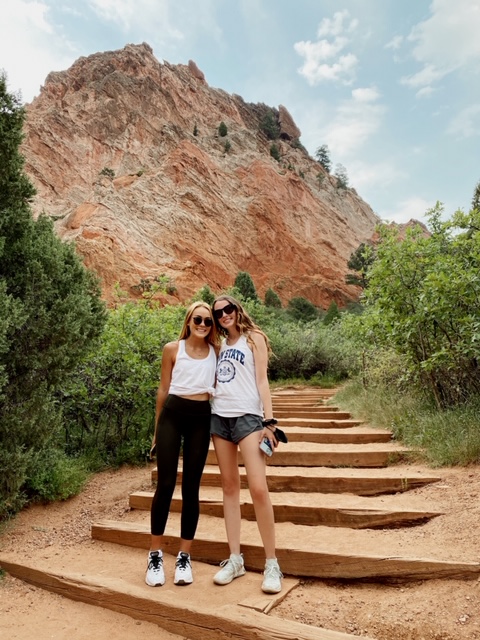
[(439, 609)]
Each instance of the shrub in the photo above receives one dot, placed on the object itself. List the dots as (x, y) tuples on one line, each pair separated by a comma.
[(222, 129), (275, 152)]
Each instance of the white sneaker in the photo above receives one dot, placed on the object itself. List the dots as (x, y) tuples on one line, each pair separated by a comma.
[(155, 575), (183, 569), (231, 569), (272, 577)]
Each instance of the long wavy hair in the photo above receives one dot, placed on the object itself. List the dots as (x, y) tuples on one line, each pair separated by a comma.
[(213, 336), (244, 324)]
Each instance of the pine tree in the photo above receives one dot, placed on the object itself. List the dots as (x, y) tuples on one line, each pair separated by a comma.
[(50, 311), (244, 284), (322, 155)]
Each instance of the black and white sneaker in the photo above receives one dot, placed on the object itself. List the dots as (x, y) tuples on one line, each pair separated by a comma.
[(183, 569), (155, 574)]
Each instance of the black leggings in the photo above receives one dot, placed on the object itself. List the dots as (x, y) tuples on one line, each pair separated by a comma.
[(190, 419)]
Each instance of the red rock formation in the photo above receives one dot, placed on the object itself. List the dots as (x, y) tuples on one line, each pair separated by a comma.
[(110, 147)]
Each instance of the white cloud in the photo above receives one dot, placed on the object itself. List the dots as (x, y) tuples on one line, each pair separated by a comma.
[(466, 124), (355, 122), (413, 208), (395, 43), (27, 26), (149, 15), (446, 42), (322, 58), (365, 177)]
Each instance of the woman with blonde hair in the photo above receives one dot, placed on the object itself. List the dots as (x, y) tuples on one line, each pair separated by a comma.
[(242, 419), (182, 417)]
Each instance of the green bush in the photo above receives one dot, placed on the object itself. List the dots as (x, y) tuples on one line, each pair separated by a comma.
[(222, 129), (275, 152), (109, 401)]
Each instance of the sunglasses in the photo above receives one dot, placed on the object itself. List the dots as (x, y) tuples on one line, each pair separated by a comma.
[(228, 309), (198, 320)]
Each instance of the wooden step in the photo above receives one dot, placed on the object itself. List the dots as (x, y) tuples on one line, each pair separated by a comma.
[(349, 435), (308, 553), (299, 414), (319, 423), (374, 482), (312, 454), (311, 509), (190, 612)]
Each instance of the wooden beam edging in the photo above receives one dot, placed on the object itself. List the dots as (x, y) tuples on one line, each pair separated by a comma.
[(196, 623), (298, 562)]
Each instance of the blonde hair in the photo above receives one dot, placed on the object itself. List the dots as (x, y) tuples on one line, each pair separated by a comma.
[(244, 324), (213, 336)]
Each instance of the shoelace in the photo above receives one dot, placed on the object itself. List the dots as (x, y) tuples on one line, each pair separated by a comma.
[(273, 571), (182, 562), (155, 562)]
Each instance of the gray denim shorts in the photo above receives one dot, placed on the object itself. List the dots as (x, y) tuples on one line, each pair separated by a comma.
[(235, 429)]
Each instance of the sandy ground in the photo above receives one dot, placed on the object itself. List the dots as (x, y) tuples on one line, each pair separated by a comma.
[(432, 609)]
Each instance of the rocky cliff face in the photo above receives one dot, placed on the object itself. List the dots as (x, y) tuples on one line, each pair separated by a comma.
[(111, 148)]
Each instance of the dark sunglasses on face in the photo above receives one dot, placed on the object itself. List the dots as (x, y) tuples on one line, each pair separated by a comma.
[(197, 320), (228, 309)]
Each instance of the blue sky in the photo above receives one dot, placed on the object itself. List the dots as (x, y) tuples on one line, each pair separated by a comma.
[(391, 86)]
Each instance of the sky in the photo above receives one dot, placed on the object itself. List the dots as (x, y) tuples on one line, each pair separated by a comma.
[(392, 87)]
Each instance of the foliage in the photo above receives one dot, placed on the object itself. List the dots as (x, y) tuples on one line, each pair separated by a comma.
[(50, 313), (222, 129), (227, 146), (272, 299), (300, 308), (341, 176), (476, 197), (322, 156), (332, 314), (269, 125), (195, 130), (442, 437), (205, 294), (360, 261), (244, 284), (275, 152), (106, 171), (423, 301), (109, 400)]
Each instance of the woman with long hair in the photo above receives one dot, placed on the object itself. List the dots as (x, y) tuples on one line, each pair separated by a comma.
[(182, 417), (242, 419)]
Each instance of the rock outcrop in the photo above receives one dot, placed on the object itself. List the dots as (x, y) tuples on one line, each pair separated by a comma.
[(126, 157)]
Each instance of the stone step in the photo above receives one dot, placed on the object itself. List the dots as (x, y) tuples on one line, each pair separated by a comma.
[(310, 509), (313, 454), (305, 551), (191, 611), (372, 482)]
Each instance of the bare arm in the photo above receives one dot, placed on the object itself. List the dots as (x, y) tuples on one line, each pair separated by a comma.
[(260, 355), (168, 360)]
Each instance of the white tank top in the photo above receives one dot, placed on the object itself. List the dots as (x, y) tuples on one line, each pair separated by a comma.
[(236, 392), (191, 376)]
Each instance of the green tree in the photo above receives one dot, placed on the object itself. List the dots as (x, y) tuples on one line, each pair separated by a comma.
[(195, 130), (269, 125), (322, 155), (244, 284), (299, 308), (272, 299), (332, 313), (222, 129), (275, 151), (423, 301), (360, 261), (51, 312), (341, 176), (476, 197), (205, 294)]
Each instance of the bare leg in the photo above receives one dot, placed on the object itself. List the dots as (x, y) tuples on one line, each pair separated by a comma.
[(227, 457), (255, 465)]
